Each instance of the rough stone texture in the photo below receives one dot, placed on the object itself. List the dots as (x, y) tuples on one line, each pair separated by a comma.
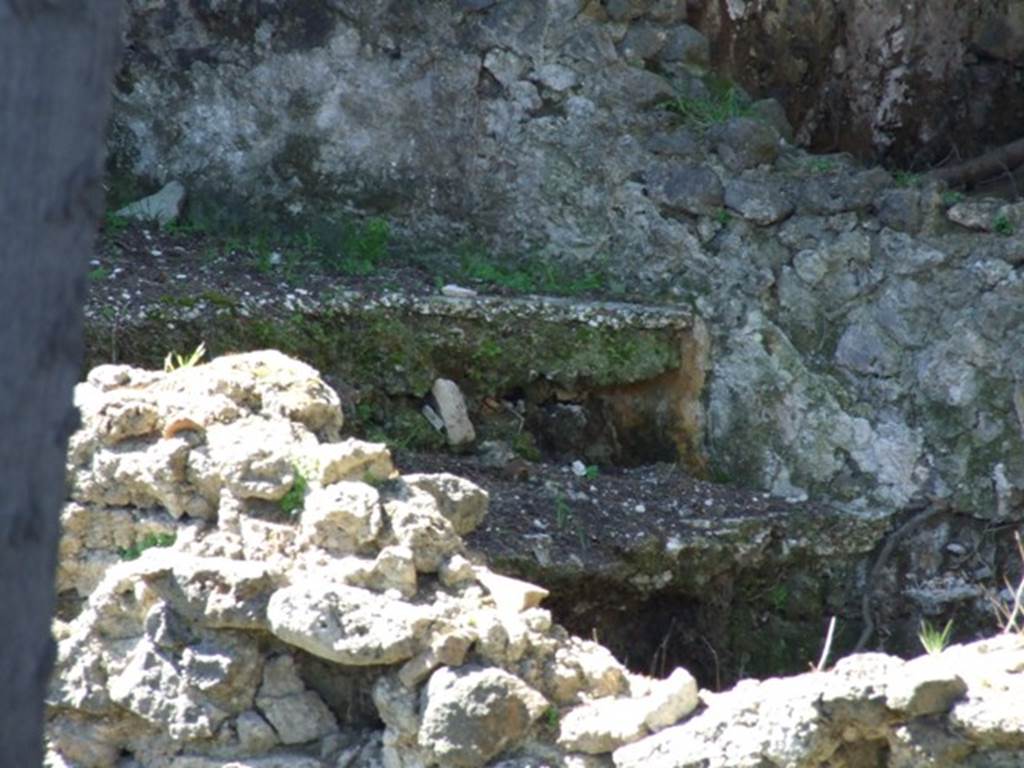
[(759, 202), (345, 625), (746, 142), (469, 716), (694, 189), (341, 517), (297, 715), (853, 714), (462, 502)]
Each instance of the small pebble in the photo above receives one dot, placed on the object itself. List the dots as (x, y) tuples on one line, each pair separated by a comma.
[(457, 291)]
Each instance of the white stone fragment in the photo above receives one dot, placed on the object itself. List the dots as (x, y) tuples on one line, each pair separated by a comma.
[(452, 407)]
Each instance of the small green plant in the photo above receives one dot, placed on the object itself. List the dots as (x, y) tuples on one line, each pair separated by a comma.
[(951, 197), (174, 361), (531, 275), (99, 273), (185, 226), (723, 217), (1002, 225), (592, 471), (722, 105), (219, 300), (291, 503), (906, 179), (562, 512), (551, 717), (821, 165), (933, 640), (114, 224), (375, 480), (349, 248), (148, 541), (778, 595), (179, 302), (524, 445), (490, 350)]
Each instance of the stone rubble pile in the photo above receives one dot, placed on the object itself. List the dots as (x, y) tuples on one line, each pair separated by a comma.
[(314, 608), (241, 587)]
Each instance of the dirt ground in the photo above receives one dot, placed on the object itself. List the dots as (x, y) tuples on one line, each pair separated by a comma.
[(543, 506)]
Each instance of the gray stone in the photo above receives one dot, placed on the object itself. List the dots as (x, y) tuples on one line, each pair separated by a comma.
[(556, 77), (667, 11), (759, 202), (506, 66), (772, 112), (900, 209), (625, 10), (642, 42), (685, 44), (678, 143), (474, 6), (694, 189), (744, 142), (255, 735), (865, 349), (471, 715), (838, 192), (163, 207)]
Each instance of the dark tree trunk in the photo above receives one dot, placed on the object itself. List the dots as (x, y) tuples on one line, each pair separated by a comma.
[(57, 60)]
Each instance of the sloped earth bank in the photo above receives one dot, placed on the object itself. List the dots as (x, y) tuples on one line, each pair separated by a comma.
[(255, 592)]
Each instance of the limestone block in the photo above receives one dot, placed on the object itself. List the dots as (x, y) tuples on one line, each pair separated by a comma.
[(759, 202), (417, 523), (352, 459), (347, 625), (462, 501), (340, 517), (472, 715), (511, 595), (928, 685), (296, 714), (602, 725), (255, 735)]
